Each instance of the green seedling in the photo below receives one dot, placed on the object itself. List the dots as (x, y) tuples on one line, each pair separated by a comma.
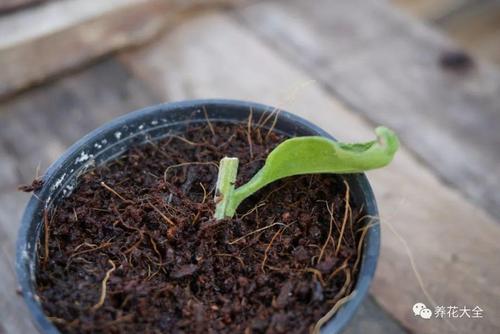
[(299, 156)]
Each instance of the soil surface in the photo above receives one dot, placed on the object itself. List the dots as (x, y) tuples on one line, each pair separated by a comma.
[(135, 249)]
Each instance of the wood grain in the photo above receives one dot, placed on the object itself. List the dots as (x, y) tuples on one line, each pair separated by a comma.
[(385, 66), (477, 28), (41, 42), (431, 9), (452, 240), (33, 57), (10, 5), (14, 317)]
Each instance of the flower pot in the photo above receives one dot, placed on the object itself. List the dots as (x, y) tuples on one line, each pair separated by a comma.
[(112, 139)]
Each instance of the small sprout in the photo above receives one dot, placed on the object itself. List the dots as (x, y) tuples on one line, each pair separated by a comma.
[(303, 155), (228, 169)]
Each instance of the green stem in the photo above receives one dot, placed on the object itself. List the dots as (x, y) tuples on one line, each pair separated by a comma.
[(228, 169)]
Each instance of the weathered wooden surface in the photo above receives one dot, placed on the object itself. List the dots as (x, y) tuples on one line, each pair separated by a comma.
[(215, 55), (387, 69), (10, 5), (473, 24), (70, 33), (477, 27), (219, 54), (432, 9), (43, 41), (371, 319)]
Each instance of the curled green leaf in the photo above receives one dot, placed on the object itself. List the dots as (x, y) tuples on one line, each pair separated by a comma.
[(314, 155)]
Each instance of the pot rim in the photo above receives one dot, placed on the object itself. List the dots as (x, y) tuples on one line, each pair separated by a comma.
[(25, 271)]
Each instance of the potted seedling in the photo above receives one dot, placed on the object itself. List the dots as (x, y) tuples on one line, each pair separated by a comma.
[(209, 216)]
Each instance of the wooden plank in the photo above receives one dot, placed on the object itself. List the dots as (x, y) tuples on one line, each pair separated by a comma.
[(8, 170), (14, 317), (70, 33), (477, 28), (91, 29), (372, 319), (387, 67), (52, 17), (452, 240), (474, 24), (10, 5), (29, 136), (430, 9)]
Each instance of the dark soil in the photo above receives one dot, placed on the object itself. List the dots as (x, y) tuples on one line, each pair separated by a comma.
[(37, 184), (135, 249)]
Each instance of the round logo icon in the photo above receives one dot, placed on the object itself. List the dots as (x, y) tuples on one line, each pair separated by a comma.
[(420, 310)]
